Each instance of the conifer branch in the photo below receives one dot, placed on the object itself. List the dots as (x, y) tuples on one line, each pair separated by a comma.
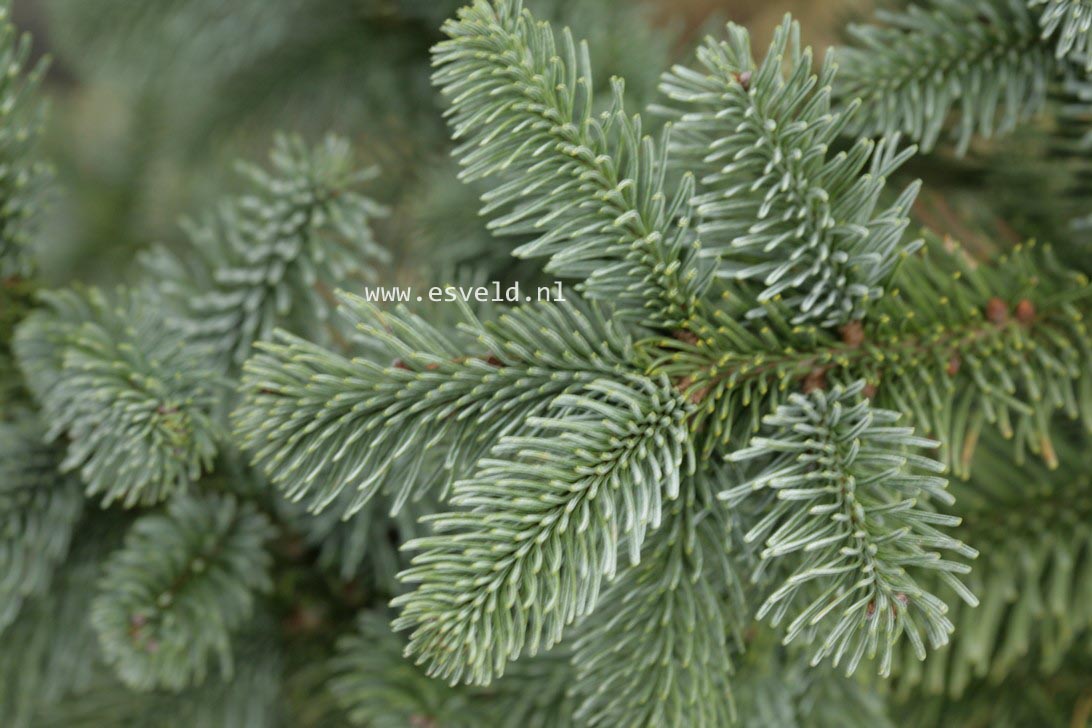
[(21, 175), (50, 652), (39, 508), (261, 255), (848, 505), (657, 652), (135, 404), (592, 187), (1069, 22), (1033, 526), (506, 574), (182, 584), (981, 58), (317, 422), (942, 347), (378, 687), (251, 697), (775, 205)]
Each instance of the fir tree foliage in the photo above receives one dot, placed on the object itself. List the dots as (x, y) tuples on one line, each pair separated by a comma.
[(135, 405), (419, 389), (264, 256), (38, 511), (505, 575), (941, 347), (1069, 24), (747, 294), (501, 576), (979, 61), (1032, 526), (50, 651), (21, 174), (249, 699), (183, 583), (591, 187), (850, 508), (378, 686), (775, 205), (658, 650)]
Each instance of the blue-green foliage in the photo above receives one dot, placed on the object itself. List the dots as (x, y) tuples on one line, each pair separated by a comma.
[(775, 203), (135, 405), (183, 583), (849, 509), (39, 508), (262, 259)]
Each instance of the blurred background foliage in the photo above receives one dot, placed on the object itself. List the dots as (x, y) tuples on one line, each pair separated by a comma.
[(151, 102)]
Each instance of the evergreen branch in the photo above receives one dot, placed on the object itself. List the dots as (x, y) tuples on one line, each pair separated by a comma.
[(379, 687), (134, 403), (775, 205), (541, 526), (592, 187), (535, 693), (259, 259), (50, 651), (21, 175), (306, 410), (183, 582), (38, 512), (774, 687), (656, 652), (943, 348), (1070, 21), (1034, 528), (845, 507), (980, 57), (249, 699)]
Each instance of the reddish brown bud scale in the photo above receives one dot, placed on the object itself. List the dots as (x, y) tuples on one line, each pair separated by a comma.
[(688, 337), (853, 334), (997, 310), (743, 78), (954, 364), (816, 380), (1025, 311)]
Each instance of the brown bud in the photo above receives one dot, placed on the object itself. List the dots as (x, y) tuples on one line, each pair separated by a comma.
[(697, 396), (997, 310), (743, 78), (816, 379), (954, 363), (399, 364), (493, 361), (1025, 311), (305, 618), (869, 390), (870, 609), (688, 337), (853, 334)]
